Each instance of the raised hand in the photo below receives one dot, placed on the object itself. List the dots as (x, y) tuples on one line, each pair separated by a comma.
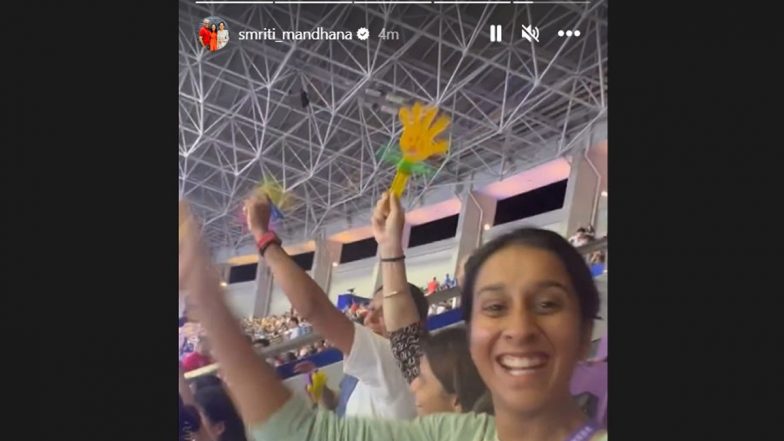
[(388, 222), (257, 213), (197, 276)]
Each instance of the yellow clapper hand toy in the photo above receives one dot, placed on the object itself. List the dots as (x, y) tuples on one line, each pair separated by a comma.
[(277, 197), (316, 383), (418, 141)]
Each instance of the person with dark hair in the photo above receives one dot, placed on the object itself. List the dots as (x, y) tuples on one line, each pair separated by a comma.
[(529, 303), (261, 343), (220, 418), (373, 384), (223, 35), (191, 427), (543, 241), (448, 380), (213, 38), (205, 381), (190, 422), (439, 368), (432, 286), (582, 236), (294, 329)]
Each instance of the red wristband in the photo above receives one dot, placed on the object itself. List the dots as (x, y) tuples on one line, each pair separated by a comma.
[(265, 240)]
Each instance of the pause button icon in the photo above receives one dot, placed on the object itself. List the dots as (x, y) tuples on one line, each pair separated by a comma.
[(495, 33)]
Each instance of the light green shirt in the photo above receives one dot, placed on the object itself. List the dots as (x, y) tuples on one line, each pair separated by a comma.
[(296, 421)]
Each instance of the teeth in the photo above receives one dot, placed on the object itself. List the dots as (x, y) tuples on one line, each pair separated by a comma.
[(515, 363)]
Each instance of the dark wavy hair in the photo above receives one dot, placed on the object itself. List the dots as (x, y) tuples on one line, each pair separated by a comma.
[(573, 262), (218, 408), (449, 358), (190, 423), (205, 381)]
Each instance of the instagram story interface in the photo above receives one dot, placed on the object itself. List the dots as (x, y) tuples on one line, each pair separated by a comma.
[(302, 124)]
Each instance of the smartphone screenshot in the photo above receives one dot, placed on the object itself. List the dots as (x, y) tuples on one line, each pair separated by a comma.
[(406, 206)]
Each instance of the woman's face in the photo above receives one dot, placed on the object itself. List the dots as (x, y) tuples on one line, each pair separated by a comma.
[(526, 332), (429, 394), (222, 27), (213, 27)]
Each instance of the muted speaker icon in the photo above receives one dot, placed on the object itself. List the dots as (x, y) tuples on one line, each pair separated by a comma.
[(530, 33)]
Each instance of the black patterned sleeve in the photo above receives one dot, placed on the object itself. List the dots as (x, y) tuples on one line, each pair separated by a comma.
[(407, 349)]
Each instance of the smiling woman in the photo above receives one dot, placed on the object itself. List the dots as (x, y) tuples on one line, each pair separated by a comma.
[(529, 300)]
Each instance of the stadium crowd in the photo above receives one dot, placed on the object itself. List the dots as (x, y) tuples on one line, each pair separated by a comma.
[(513, 375), (274, 329)]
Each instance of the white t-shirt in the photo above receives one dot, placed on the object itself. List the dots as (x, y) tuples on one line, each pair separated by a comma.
[(381, 391)]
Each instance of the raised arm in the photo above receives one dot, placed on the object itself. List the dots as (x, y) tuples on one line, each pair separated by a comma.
[(264, 403), (400, 311), (255, 385), (310, 301), (401, 315)]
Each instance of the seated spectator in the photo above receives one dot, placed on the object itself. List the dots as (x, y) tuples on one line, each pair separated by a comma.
[(307, 351), (260, 343), (448, 282), (432, 286), (597, 257), (581, 237), (200, 357), (440, 307), (218, 414), (295, 330)]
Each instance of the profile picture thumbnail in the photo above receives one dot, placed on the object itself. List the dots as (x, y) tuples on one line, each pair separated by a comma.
[(213, 33)]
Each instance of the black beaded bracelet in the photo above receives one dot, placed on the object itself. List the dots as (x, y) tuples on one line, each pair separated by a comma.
[(394, 259)]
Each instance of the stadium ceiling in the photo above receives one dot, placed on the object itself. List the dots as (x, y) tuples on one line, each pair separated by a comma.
[(513, 104)]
